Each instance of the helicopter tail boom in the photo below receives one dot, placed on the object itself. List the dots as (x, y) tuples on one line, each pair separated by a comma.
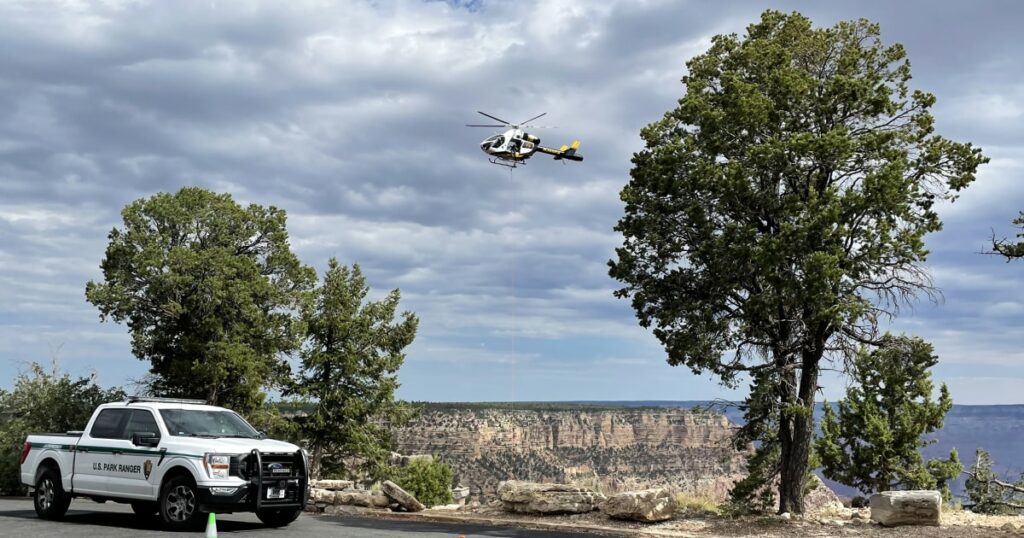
[(567, 152)]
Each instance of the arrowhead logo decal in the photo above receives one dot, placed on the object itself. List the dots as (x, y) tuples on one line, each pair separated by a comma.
[(147, 468)]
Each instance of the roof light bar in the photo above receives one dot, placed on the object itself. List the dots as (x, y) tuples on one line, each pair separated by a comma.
[(133, 399)]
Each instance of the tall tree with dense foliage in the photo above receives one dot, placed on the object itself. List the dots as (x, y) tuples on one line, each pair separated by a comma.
[(873, 443), (209, 290), (349, 372), (43, 401), (779, 212)]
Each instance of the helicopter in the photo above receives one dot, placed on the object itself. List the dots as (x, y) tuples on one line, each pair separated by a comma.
[(514, 146)]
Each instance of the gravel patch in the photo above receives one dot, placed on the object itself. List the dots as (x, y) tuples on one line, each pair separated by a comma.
[(955, 524)]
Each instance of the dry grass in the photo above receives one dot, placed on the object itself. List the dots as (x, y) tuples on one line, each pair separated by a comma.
[(691, 504)]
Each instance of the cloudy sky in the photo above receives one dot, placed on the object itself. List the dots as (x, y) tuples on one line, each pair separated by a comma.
[(350, 116)]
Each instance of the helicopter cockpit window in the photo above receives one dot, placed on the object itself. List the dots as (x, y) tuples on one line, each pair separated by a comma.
[(498, 141)]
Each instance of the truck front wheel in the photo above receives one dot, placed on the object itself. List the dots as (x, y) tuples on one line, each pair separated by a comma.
[(179, 504), (278, 518), (50, 499)]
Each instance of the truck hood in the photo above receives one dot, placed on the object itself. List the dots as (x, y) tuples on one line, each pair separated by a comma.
[(232, 445)]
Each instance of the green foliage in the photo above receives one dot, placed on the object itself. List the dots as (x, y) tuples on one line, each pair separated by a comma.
[(754, 494), (779, 211), (429, 481), (207, 288), (268, 419), (43, 402), (348, 373), (1012, 251), (874, 442), (987, 493)]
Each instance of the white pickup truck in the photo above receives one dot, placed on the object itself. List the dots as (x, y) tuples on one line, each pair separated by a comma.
[(175, 458)]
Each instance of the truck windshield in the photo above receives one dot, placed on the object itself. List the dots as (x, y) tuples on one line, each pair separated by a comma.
[(204, 423)]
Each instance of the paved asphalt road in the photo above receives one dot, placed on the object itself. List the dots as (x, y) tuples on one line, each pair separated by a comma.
[(88, 519)]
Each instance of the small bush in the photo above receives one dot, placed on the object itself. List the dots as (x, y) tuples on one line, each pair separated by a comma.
[(42, 402), (696, 504), (429, 481)]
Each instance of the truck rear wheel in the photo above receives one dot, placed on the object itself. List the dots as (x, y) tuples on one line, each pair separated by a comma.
[(179, 504), (50, 499), (278, 518)]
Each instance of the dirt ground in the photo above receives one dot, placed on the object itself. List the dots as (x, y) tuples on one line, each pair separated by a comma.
[(955, 524)]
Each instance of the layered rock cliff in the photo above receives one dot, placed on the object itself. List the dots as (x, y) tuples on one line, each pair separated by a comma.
[(610, 449)]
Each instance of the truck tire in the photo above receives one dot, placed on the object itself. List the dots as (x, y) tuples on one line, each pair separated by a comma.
[(50, 499), (179, 504), (278, 518), (145, 508)]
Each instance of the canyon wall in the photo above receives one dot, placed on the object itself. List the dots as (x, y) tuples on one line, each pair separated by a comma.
[(613, 450)]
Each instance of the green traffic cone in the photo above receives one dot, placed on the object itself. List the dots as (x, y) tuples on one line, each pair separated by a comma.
[(211, 526)]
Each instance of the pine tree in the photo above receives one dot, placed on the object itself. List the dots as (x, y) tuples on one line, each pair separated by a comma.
[(1009, 249), (348, 373), (989, 494), (873, 443)]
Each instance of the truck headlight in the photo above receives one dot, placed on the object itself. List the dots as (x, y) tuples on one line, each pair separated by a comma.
[(217, 465)]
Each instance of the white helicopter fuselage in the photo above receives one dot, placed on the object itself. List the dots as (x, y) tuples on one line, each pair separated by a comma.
[(511, 145)]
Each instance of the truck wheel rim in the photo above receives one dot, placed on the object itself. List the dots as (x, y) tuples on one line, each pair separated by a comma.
[(181, 502), (45, 494)]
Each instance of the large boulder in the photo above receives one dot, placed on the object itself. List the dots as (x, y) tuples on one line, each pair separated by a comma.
[(894, 508), (535, 498), (400, 496), (331, 485), (460, 495), (821, 498), (648, 505), (366, 499), (322, 496)]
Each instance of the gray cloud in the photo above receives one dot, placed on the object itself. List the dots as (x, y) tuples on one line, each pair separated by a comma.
[(349, 115)]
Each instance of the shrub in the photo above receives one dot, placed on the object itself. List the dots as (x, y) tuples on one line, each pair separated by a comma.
[(43, 402), (429, 481)]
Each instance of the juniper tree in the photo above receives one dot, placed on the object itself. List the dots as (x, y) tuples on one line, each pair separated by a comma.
[(779, 212), (208, 289), (873, 441)]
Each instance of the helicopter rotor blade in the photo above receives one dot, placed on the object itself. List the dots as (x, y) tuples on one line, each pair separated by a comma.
[(533, 118), (493, 118), (485, 125)]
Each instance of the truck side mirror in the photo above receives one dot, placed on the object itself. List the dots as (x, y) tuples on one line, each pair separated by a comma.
[(145, 439)]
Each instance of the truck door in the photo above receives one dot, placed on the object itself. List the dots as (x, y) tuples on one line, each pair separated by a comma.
[(94, 453), (133, 474)]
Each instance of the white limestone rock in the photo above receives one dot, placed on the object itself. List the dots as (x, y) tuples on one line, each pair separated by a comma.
[(331, 485), (647, 506), (400, 496), (535, 498), (895, 508)]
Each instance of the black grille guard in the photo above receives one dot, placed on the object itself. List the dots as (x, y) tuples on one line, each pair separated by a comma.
[(257, 480)]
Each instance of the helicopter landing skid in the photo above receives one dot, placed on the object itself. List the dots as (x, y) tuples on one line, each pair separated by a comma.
[(505, 163)]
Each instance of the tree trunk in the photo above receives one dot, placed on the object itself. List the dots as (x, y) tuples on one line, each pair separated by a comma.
[(795, 432), (787, 397), (314, 461)]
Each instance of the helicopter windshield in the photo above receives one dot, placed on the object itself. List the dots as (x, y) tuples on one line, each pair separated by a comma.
[(498, 141)]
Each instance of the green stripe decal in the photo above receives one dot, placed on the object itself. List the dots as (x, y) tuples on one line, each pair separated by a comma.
[(111, 450)]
